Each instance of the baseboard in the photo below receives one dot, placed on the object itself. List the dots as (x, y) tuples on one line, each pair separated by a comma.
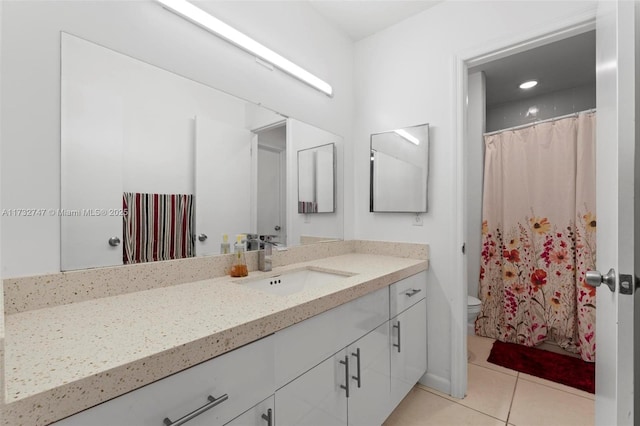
[(436, 382)]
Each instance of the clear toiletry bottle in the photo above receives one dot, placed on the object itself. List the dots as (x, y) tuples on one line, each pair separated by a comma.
[(225, 247), (239, 267)]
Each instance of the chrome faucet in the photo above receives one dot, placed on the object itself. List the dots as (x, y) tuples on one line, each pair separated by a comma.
[(264, 256)]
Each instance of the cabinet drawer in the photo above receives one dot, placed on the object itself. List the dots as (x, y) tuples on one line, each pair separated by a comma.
[(306, 344), (245, 375), (407, 292)]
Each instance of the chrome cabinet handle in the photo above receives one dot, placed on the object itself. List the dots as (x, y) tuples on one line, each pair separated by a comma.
[(413, 292), (268, 417), (195, 413), (114, 241), (397, 345), (346, 374), (357, 355)]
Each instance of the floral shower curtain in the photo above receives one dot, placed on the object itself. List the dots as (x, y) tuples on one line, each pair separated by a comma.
[(538, 235)]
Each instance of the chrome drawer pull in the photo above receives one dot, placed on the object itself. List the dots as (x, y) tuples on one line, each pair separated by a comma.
[(209, 405), (413, 292)]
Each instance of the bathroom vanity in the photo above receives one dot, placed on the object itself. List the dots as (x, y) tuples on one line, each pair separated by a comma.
[(224, 353)]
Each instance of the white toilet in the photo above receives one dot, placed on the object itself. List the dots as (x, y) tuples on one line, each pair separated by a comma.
[(473, 309)]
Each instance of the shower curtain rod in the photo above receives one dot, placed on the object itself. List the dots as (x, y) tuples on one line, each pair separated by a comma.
[(522, 126)]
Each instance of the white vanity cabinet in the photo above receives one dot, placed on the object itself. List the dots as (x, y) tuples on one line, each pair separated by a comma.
[(349, 388), (408, 332), (237, 380), (350, 365)]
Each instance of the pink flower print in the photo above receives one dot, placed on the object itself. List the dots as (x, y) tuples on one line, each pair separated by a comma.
[(559, 256)]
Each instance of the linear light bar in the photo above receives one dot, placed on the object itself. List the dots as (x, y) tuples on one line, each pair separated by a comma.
[(199, 17), (405, 135)]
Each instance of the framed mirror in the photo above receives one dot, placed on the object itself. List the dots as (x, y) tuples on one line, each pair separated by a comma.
[(316, 179), (400, 170)]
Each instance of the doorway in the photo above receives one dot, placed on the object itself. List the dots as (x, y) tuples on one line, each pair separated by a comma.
[(271, 183), (515, 101), (465, 62)]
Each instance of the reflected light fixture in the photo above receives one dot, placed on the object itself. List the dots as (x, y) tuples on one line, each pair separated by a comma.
[(203, 19), (405, 135), (529, 84)]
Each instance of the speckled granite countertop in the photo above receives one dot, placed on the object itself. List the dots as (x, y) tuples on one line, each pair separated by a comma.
[(63, 359)]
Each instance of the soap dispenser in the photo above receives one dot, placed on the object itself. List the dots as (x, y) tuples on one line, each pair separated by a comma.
[(225, 247), (239, 267)]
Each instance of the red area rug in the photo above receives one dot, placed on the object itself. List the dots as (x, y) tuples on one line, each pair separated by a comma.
[(558, 368)]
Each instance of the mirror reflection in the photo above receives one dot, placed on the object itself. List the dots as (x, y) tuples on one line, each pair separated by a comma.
[(399, 170), (169, 165), (316, 179)]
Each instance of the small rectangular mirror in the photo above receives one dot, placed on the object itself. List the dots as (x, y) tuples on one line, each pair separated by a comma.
[(399, 170), (316, 179)]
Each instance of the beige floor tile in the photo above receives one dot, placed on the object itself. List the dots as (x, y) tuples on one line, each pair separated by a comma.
[(478, 349), (558, 386), (489, 391), (422, 408), (535, 404)]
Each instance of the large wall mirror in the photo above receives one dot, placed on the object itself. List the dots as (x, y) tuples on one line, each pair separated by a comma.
[(400, 170), (156, 166)]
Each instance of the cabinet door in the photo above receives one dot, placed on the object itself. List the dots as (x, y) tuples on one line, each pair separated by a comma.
[(316, 398), (369, 371), (408, 350), (262, 414)]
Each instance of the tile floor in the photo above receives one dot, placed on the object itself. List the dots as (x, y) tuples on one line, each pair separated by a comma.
[(496, 396)]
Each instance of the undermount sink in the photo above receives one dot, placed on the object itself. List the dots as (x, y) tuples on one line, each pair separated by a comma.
[(294, 281)]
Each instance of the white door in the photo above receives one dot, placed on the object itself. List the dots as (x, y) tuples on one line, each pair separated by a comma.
[(369, 370), (271, 194), (616, 94), (316, 398), (222, 187)]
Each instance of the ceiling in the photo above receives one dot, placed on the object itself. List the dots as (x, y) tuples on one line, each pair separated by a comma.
[(561, 65), (362, 18)]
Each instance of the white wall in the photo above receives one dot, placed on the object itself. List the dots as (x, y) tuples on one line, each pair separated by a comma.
[(406, 76), (554, 104), (30, 104)]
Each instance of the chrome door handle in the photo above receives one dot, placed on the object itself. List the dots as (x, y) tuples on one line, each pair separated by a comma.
[(357, 355), (346, 374), (114, 241), (202, 237), (277, 228), (268, 417), (195, 413), (398, 344), (595, 278)]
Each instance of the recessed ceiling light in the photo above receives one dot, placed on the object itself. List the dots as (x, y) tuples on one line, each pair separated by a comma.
[(528, 84)]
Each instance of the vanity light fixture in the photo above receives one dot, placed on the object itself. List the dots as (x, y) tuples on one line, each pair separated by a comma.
[(529, 84), (405, 135), (203, 19)]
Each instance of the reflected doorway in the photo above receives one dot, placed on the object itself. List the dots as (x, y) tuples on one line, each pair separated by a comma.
[(271, 182)]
